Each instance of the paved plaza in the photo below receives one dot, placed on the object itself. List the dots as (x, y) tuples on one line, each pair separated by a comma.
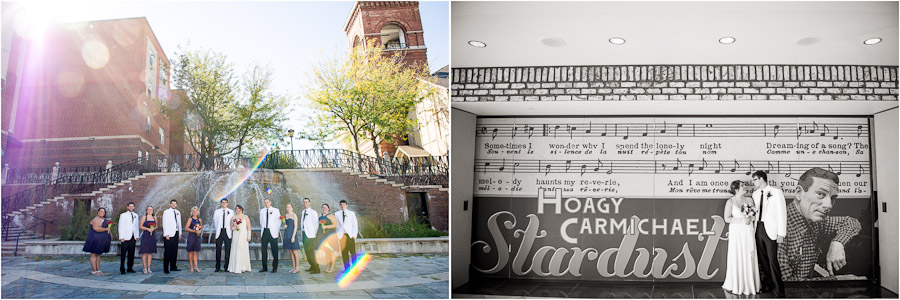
[(387, 276)]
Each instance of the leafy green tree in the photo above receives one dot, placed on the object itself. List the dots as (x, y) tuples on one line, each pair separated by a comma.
[(365, 96), (222, 113)]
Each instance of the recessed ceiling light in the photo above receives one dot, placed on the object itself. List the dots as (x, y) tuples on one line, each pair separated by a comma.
[(808, 41), (553, 42), (478, 44), (617, 41), (872, 41), (727, 40)]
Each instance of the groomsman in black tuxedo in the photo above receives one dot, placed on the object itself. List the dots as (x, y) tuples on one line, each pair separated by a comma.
[(129, 233)]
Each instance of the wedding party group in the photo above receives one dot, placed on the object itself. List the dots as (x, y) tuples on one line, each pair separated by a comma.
[(332, 234), (770, 240)]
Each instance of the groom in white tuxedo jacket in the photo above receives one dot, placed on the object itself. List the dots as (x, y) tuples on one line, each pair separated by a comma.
[(129, 233), (309, 219), (347, 231), (770, 231), (172, 233), (269, 222), (222, 218)]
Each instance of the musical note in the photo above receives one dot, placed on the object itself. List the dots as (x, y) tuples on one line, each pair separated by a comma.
[(570, 129), (626, 133), (664, 128), (840, 169), (555, 129), (530, 131), (493, 134), (788, 174), (702, 167), (503, 165), (800, 130), (599, 165), (515, 165), (719, 170), (515, 129), (837, 132), (547, 170), (676, 129), (486, 167), (677, 164), (646, 127), (611, 168), (775, 130), (858, 133), (604, 130), (583, 167), (709, 126), (588, 131), (826, 130), (484, 130), (750, 169), (568, 163), (736, 166), (860, 171), (770, 167), (815, 127), (690, 169)]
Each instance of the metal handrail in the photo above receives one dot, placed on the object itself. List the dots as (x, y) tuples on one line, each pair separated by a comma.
[(19, 235)]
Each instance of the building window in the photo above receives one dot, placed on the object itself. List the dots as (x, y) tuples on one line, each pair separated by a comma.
[(150, 69), (162, 136), (148, 123), (392, 37)]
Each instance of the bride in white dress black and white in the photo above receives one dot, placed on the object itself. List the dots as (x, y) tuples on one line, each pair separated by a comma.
[(742, 273), (239, 261)]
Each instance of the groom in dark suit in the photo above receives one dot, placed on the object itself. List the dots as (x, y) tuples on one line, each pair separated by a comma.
[(770, 232)]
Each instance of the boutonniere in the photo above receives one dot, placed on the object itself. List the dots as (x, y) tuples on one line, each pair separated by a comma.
[(270, 212), (769, 194)]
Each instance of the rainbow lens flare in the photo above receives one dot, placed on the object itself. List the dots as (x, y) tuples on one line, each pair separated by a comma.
[(245, 174), (269, 191), (350, 274)]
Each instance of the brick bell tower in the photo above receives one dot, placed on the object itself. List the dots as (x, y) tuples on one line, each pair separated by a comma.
[(395, 26)]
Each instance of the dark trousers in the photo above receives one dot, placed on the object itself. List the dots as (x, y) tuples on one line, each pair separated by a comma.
[(126, 249), (171, 254), (309, 247), (348, 250), (767, 256), (267, 240), (222, 240)]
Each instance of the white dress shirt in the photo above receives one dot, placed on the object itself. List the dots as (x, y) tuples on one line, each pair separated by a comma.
[(310, 220), (774, 214), (171, 222), (350, 225), (270, 218), (222, 217), (128, 226)]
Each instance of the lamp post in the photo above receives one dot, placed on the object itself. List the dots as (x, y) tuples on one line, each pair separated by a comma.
[(291, 134)]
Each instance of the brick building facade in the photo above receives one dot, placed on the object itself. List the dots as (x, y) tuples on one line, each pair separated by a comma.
[(395, 26), (83, 94)]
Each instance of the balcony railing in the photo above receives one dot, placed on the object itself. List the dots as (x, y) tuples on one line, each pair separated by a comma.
[(407, 171)]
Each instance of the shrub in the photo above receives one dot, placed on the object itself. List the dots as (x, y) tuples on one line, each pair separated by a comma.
[(77, 230), (378, 228)]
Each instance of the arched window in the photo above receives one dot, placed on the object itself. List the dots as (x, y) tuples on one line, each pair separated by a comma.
[(357, 42), (392, 37)]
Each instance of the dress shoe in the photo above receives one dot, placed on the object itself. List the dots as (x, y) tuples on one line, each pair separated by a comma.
[(131, 271), (274, 271), (263, 270), (315, 272), (218, 270), (166, 271), (122, 271), (176, 270)]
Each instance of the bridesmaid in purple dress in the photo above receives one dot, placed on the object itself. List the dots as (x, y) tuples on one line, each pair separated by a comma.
[(98, 240), (194, 229), (148, 239)]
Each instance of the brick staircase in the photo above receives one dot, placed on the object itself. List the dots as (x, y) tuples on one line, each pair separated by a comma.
[(8, 245), (388, 182), (32, 208)]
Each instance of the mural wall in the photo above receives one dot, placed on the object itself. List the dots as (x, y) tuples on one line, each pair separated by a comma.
[(642, 198)]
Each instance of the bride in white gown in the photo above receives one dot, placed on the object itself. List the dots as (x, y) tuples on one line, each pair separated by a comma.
[(742, 274), (239, 261)]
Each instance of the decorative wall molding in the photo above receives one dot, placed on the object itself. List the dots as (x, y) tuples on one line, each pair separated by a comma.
[(675, 82)]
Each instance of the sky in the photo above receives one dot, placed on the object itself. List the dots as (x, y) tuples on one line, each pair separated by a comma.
[(287, 36)]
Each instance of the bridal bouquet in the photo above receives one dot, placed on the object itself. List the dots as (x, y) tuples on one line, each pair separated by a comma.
[(749, 209), (198, 227), (237, 223), (282, 219), (152, 226)]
